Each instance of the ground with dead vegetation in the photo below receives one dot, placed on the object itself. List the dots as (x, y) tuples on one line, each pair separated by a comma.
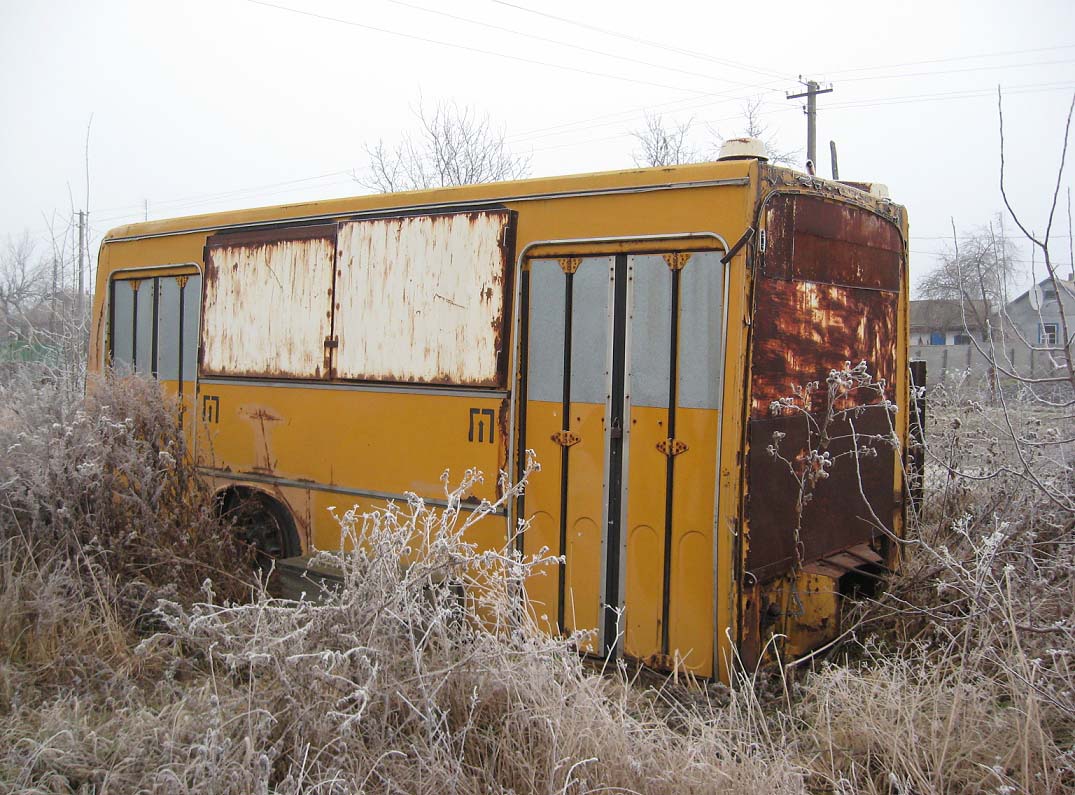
[(134, 659)]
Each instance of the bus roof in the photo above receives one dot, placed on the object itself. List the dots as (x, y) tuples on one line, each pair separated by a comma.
[(726, 172)]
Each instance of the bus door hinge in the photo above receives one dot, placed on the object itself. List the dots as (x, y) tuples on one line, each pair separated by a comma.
[(566, 438), (331, 344), (677, 260), (672, 447)]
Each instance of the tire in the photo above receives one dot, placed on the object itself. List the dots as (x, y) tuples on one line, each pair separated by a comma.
[(263, 524)]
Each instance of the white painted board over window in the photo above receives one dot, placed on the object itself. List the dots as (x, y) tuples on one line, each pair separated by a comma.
[(268, 303), (421, 299)]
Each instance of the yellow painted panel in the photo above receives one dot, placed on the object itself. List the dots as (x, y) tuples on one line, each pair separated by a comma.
[(542, 507), (583, 588), (384, 442), (691, 609), (541, 586), (641, 623), (644, 529), (585, 515), (692, 588)]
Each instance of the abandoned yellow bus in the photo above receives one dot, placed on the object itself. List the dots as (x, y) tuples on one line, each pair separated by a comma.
[(661, 338)]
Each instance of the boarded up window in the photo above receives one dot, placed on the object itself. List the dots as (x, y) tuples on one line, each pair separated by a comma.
[(268, 303), (422, 299)]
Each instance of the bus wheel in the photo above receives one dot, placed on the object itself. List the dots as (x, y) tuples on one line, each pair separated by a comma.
[(263, 524)]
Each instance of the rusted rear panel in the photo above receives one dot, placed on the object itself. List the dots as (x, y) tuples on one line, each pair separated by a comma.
[(268, 302), (422, 299), (827, 292)]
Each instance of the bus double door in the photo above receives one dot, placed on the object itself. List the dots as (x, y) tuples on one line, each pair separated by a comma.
[(621, 399)]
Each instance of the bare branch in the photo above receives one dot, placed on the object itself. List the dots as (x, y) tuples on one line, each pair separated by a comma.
[(454, 145)]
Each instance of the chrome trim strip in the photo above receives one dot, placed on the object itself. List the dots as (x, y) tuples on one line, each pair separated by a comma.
[(716, 487), (456, 391), (315, 486), (388, 212)]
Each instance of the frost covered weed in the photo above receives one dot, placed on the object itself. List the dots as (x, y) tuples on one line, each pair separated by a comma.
[(425, 672), (973, 689), (388, 684), (106, 482)]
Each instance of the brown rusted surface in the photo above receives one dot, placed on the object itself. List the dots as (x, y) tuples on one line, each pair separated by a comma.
[(827, 292), (837, 517), (750, 633), (814, 239), (423, 299), (804, 329)]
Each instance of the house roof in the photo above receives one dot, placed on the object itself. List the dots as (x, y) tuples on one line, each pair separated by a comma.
[(1067, 285), (946, 314)]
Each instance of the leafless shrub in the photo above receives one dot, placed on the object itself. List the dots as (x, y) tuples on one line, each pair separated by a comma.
[(387, 685), (107, 483)]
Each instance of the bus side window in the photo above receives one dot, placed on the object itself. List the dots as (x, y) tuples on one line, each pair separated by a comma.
[(154, 326), (121, 331)]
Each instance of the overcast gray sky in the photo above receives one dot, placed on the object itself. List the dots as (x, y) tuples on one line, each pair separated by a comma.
[(201, 105)]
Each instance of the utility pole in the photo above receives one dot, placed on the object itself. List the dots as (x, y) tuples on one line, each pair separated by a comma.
[(813, 88), (81, 261)]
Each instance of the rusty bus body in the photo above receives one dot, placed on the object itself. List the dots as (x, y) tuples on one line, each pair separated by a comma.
[(632, 328)]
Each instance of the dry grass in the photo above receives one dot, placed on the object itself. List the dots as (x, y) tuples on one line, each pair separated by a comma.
[(387, 686)]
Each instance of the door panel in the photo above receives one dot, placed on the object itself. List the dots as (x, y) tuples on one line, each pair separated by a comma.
[(622, 396), (567, 374)]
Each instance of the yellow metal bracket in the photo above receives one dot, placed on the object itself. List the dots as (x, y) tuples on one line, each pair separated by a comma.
[(672, 447), (182, 281), (135, 284), (566, 438), (677, 260), (570, 264)]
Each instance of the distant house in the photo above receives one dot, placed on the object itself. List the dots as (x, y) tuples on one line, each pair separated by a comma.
[(941, 322), (1035, 315), (1031, 323)]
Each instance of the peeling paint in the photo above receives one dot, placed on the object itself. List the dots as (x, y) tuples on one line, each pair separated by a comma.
[(422, 299), (266, 311)]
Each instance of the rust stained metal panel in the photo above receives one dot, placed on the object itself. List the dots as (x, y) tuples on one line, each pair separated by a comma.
[(828, 292), (804, 329), (423, 299), (836, 518), (268, 302), (832, 243)]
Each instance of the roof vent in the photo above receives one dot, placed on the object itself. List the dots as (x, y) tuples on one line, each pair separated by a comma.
[(742, 149)]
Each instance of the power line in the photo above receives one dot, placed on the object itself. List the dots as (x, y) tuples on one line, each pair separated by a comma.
[(561, 43), (647, 42), (223, 194), (1029, 88), (467, 48), (960, 71), (997, 54)]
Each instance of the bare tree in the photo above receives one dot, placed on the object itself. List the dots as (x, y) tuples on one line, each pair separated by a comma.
[(454, 145), (755, 128), (1062, 350), (23, 285), (662, 143), (977, 273)]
